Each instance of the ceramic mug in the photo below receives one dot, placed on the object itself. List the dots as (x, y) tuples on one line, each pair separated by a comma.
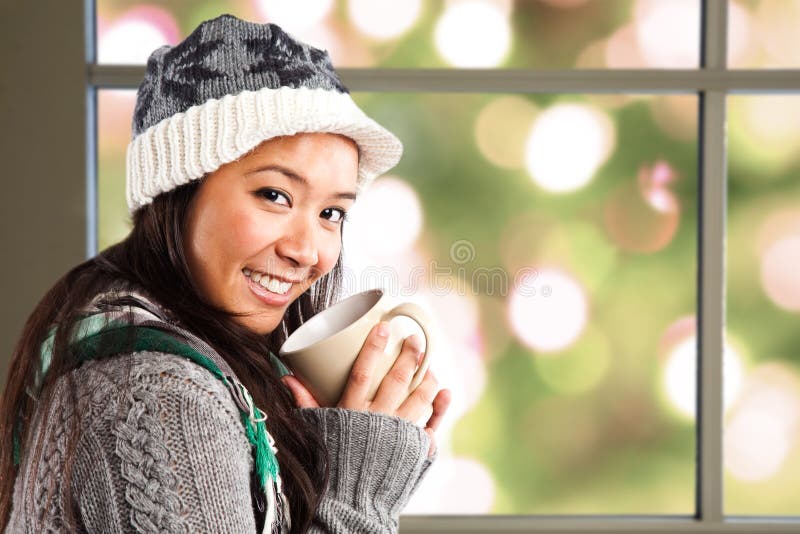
[(321, 352)]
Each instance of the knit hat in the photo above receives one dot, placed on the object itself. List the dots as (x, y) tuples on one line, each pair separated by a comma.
[(226, 88)]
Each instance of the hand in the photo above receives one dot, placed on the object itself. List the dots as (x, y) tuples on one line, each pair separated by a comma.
[(392, 397)]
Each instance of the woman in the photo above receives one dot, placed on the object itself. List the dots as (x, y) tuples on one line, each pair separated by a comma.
[(143, 395)]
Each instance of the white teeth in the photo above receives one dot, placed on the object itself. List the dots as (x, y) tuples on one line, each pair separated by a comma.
[(267, 282), (274, 286)]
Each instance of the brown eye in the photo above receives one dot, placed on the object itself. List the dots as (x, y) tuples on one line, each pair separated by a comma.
[(336, 215), (273, 195)]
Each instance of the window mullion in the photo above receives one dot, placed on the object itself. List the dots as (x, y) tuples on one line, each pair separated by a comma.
[(711, 260), (520, 80), (92, 207)]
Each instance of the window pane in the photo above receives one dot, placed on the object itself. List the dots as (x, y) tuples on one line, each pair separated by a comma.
[(762, 424), (763, 34), (554, 238), (114, 115), (434, 33)]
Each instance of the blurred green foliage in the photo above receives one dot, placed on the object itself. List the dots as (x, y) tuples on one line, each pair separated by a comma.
[(619, 447)]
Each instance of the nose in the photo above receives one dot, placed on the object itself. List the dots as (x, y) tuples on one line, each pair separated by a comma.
[(299, 244)]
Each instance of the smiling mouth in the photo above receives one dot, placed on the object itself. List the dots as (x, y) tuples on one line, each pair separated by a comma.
[(268, 282)]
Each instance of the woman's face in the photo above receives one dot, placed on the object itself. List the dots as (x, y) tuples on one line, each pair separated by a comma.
[(262, 229)]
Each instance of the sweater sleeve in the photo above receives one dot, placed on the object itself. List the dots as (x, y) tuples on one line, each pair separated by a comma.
[(169, 455), (376, 462)]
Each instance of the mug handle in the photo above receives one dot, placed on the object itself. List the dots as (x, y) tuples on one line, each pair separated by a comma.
[(419, 316)]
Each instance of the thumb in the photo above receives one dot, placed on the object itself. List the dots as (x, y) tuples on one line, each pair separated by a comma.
[(302, 396)]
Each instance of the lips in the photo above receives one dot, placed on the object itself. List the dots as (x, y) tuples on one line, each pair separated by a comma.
[(269, 282), (266, 296)]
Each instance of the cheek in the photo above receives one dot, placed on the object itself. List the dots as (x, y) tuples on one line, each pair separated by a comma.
[(225, 239), (246, 234), (329, 254)]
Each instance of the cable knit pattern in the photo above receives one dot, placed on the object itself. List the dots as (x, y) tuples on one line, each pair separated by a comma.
[(46, 507), (155, 506), (160, 448), (167, 455)]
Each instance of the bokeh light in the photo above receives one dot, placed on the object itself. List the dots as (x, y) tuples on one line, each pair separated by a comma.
[(779, 273), (756, 443), (115, 108), (769, 39), (592, 56), (133, 36), (114, 112), (500, 130), (676, 115), (763, 426), (458, 33), (547, 309), (778, 224), (654, 182), (566, 146), (762, 456), (383, 19), (458, 358), (678, 331), (764, 134), (460, 364), (739, 32), (668, 32), (386, 219), (680, 376), (580, 246), (473, 33), (588, 363), (778, 23), (294, 16), (622, 50), (575, 469), (644, 216), (454, 485), (397, 274)]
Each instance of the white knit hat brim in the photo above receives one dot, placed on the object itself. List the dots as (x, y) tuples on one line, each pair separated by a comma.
[(188, 145)]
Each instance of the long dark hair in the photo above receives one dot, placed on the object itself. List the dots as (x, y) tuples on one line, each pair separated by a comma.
[(152, 257)]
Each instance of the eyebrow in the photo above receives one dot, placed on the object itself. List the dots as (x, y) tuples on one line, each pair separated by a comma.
[(292, 175)]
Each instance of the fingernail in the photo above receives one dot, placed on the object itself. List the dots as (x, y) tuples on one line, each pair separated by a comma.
[(383, 329)]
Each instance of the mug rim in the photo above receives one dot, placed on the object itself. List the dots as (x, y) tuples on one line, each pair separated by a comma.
[(379, 291)]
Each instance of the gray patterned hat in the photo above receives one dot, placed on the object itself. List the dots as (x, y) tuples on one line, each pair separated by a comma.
[(226, 88)]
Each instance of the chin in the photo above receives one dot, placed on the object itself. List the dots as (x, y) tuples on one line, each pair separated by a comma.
[(260, 325)]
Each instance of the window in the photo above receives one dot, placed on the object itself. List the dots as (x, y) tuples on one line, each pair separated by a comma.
[(564, 190)]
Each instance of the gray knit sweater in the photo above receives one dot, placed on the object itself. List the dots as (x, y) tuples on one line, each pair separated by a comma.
[(171, 455)]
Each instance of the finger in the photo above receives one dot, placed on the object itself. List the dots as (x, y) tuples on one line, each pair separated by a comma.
[(433, 445), (420, 400), (355, 391), (393, 389), (302, 396), (440, 405)]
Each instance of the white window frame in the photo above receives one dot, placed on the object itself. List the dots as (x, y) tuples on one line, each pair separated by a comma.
[(712, 82)]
